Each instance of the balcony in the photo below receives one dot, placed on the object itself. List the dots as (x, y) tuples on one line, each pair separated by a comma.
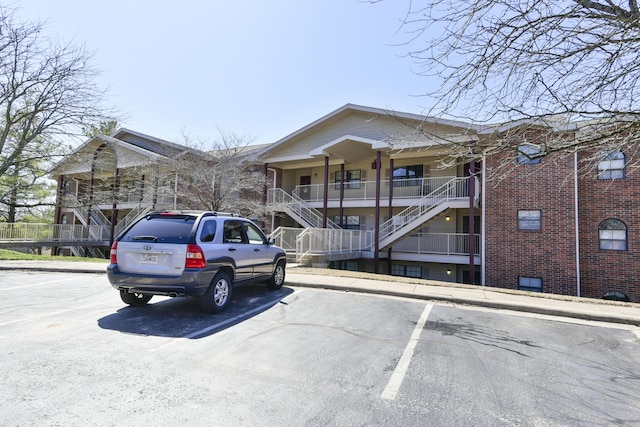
[(414, 188), (322, 245)]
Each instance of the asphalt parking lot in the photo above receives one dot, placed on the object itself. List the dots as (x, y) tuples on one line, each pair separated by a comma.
[(76, 355)]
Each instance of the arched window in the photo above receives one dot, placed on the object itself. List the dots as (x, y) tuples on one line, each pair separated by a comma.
[(613, 235), (612, 166)]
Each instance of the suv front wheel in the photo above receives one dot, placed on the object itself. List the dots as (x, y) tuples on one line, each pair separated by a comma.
[(218, 296), (277, 278)]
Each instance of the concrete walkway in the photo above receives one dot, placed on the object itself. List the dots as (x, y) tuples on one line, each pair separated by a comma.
[(548, 304)]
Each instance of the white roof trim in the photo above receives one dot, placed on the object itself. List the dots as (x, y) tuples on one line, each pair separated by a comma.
[(372, 110), (375, 144)]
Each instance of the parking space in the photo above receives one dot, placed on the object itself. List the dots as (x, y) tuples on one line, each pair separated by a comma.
[(74, 354)]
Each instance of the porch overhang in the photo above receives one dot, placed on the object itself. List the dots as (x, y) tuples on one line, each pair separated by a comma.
[(351, 149)]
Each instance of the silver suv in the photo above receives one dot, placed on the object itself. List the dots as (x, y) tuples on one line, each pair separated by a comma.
[(189, 253)]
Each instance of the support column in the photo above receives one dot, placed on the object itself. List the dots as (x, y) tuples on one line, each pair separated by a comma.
[(376, 256), (114, 207), (325, 201), (341, 223)]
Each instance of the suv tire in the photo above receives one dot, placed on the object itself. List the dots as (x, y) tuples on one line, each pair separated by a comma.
[(218, 296), (135, 299), (277, 278)]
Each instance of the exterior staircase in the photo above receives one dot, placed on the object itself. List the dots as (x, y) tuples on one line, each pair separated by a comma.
[(329, 243)]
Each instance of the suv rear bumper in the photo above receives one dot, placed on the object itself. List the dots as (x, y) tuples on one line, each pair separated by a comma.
[(192, 282)]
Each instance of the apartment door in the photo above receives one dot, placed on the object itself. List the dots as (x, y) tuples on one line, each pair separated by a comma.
[(305, 187)]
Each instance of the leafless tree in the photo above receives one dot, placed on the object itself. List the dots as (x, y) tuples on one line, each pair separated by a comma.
[(545, 64), (220, 175), (48, 93)]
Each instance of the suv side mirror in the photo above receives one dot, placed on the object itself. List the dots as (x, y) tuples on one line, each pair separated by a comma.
[(271, 241)]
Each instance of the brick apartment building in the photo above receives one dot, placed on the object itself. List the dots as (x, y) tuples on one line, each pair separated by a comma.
[(361, 189), (550, 228)]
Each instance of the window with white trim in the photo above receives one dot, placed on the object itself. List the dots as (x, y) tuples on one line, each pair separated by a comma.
[(612, 235), (349, 222), (528, 154), (612, 166), (351, 179), (406, 270), (529, 220), (531, 284), (404, 176)]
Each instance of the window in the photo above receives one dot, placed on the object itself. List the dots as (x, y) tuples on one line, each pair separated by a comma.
[(344, 265), (233, 232), (406, 270), (64, 219), (613, 235), (404, 176), (531, 284), (351, 179), (529, 220), (208, 232), (527, 154), (349, 222), (612, 167)]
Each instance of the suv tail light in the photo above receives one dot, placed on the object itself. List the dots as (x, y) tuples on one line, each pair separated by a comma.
[(195, 257), (113, 255)]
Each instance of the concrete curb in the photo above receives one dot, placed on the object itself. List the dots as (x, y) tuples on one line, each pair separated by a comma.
[(366, 283)]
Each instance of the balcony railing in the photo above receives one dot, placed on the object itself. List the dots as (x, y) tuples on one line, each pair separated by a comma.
[(437, 243), (310, 241), (414, 188), (26, 232)]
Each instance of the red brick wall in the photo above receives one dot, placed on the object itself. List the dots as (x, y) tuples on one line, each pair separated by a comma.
[(549, 253), (606, 270)]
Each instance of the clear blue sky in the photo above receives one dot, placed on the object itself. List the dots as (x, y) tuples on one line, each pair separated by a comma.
[(260, 68)]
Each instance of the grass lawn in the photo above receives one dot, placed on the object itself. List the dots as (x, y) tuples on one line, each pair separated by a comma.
[(13, 255)]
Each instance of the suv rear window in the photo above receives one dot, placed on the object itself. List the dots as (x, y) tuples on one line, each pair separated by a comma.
[(161, 229)]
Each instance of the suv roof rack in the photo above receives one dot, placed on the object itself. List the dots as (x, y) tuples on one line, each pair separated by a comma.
[(196, 212)]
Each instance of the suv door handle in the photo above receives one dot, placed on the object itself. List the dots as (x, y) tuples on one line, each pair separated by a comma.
[(232, 249), (256, 249)]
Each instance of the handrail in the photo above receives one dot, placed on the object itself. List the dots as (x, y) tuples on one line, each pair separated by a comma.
[(453, 189), (413, 188), (299, 207)]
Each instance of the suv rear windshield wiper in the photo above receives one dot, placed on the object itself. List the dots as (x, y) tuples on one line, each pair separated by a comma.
[(154, 238)]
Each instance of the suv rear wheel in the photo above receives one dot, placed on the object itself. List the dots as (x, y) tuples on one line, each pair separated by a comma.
[(134, 299), (218, 295)]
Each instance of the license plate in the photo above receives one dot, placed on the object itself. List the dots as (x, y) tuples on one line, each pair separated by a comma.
[(148, 259)]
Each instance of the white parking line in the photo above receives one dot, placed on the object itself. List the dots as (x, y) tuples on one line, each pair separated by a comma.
[(391, 390), (244, 315), (38, 284), (55, 313)]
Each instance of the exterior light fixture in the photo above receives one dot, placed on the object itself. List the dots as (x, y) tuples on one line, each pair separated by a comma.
[(448, 272), (447, 218)]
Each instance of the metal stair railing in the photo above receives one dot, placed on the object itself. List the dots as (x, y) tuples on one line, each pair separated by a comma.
[(300, 209), (453, 189), (143, 207)]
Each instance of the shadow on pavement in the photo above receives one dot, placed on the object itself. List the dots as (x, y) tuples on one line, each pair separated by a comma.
[(183, 318)]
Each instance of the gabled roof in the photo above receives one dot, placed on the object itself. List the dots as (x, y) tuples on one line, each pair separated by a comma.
[(143, 144), (348, 108), (150, 143)]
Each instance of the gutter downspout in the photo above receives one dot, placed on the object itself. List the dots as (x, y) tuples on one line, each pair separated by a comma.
[(483, 223), (575, 198)]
